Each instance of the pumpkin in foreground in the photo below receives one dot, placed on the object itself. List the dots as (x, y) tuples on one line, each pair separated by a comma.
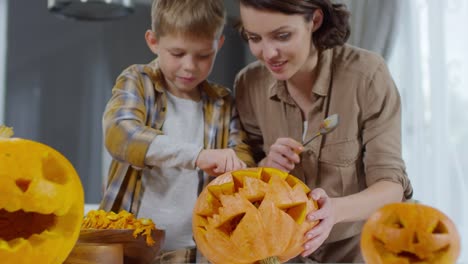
[(409, 233), (41, 202), (252, 215)]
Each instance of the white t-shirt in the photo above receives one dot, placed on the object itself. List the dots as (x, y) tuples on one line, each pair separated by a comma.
[(304, 132), (170, 187)]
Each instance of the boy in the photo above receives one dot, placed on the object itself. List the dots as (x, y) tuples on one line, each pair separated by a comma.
[(165, 124)]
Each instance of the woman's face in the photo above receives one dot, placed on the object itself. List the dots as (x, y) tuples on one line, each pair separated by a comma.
[(282, 42)]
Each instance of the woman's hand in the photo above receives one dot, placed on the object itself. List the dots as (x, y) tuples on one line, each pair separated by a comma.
[(218, 161), (326, 216), (283, 154)]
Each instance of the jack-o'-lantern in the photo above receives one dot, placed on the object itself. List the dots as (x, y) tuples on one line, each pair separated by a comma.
[(41, 202), (255, 215), (409, 233)]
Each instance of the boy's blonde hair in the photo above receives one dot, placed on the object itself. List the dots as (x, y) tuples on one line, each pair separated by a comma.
[(198, 18)]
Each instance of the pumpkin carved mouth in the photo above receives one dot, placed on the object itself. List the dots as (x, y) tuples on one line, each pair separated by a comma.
[(411, 257), (417, 249), (21, 224)]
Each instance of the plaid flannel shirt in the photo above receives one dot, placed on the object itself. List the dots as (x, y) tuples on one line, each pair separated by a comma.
[(134, 116)]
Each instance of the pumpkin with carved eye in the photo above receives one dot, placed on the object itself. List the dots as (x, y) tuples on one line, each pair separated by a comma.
[(409, 233), (41, 203), (252, 215)]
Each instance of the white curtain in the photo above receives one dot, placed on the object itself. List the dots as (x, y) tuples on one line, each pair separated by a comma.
[(430, 66), (425, 43), (3, 43), (373, 24)]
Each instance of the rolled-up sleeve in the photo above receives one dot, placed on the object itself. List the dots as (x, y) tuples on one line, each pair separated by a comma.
[(381, 133), (126, 136), (238, 138)]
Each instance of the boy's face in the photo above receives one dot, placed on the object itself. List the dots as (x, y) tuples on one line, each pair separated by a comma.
[(185, 61)]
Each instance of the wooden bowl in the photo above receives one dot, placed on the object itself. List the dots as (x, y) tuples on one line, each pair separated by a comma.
[(93, 253), (135, 250)]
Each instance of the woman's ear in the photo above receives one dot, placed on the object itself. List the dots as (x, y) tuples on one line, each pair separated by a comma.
[(317, 18), (151, 41)]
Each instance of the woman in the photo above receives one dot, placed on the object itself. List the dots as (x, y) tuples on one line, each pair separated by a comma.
[(304, 73)]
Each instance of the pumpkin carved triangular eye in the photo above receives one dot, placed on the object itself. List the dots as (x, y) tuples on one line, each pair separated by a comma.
[(394, 221), (229, 226), (296, 212), (52, 170), (440, 228)]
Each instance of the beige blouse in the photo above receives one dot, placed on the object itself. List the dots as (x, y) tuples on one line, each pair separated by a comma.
[(366, 146)]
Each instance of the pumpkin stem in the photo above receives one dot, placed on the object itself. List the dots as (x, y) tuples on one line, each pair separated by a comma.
[(6, 132), (270, 260)]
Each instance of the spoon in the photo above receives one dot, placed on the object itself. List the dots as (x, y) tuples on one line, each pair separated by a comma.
[(327, 126)]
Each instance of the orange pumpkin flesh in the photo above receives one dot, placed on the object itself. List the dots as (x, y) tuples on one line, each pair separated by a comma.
[(41, 203), (409, 233), (252, 215)]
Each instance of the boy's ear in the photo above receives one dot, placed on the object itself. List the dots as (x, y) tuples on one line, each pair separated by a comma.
[(220, 42), (151, 41)]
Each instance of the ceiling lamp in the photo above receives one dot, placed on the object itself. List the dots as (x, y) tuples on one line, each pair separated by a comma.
[(91, 10)]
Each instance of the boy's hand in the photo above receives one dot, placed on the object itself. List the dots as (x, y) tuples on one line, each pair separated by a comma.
[(283, 154), (218, 161)]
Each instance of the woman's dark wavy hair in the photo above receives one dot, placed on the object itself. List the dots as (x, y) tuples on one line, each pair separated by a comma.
[(335, 29)]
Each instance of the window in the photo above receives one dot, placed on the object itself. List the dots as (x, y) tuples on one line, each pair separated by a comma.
[(430, 66)]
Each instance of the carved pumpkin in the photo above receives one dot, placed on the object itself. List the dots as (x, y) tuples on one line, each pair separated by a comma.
[(41, 202), (409, 233), (252, 215)]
